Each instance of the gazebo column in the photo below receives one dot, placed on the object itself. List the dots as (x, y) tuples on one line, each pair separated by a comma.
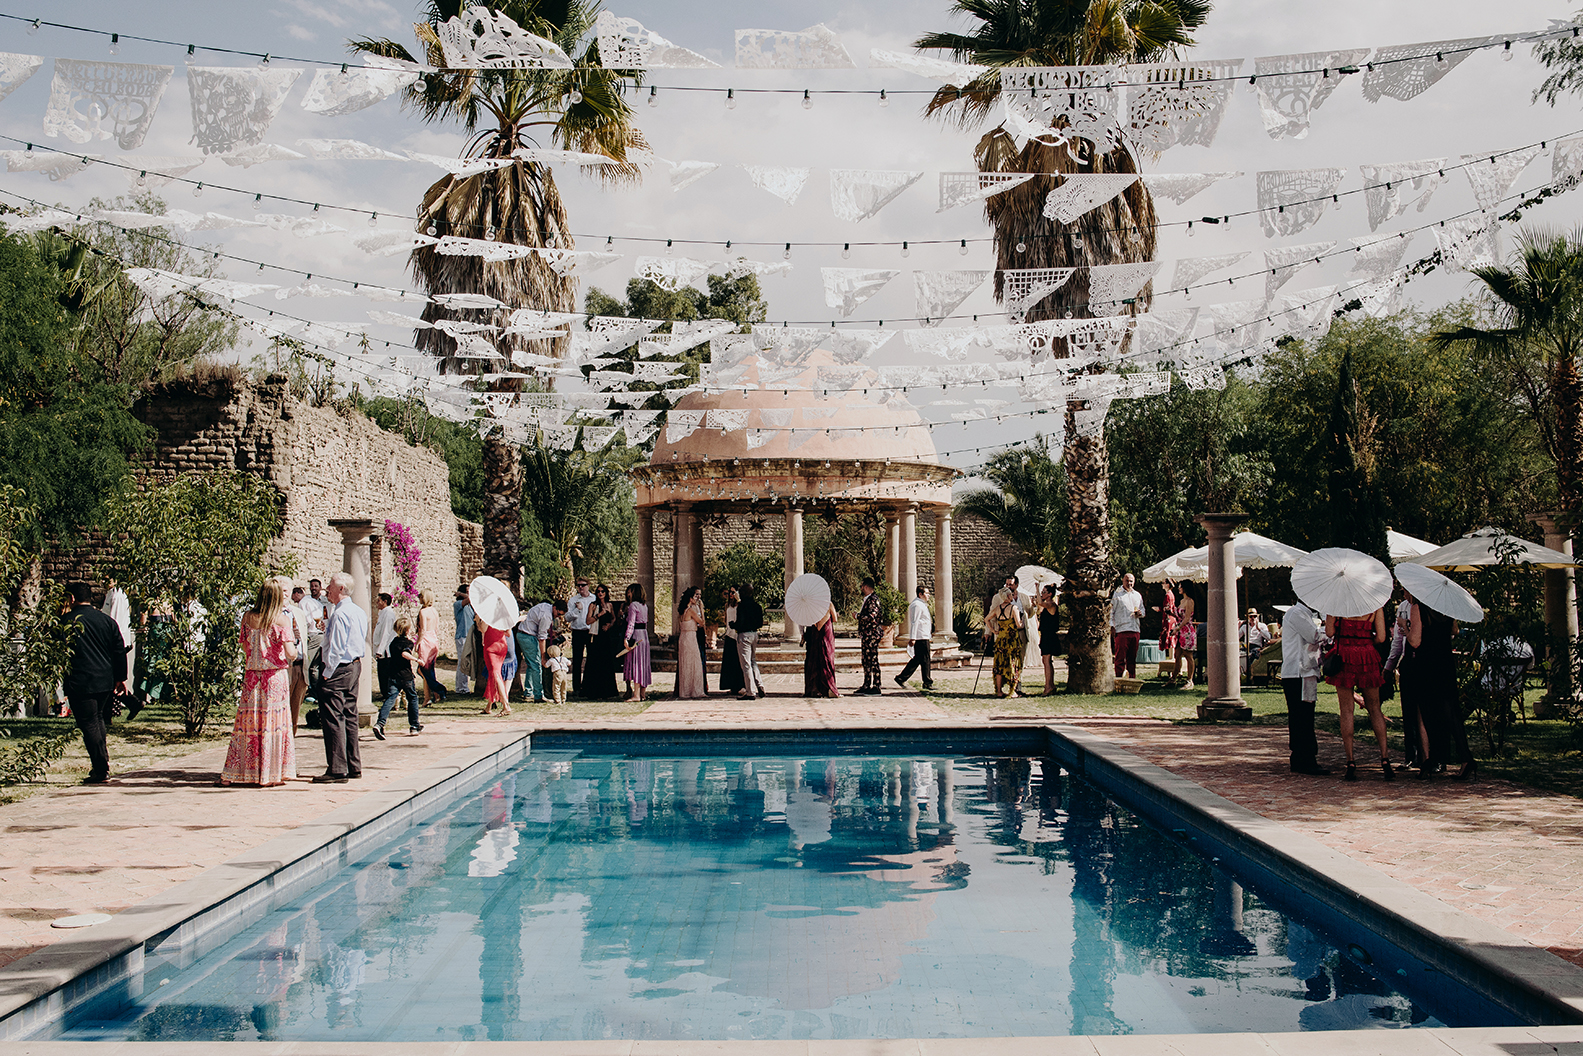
[(695, 571), (1225, 673), (942, 573), (892, 550), (793, 557), (909, 551), (646, 552), (681, 557), (1561, 603)]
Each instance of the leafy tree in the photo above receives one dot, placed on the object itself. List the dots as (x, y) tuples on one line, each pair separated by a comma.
[(581, 503), (1012, 33), (195, 548), (65, 432), (30, 627), (1354, 513), (1027, 502), (738, 564), (843, 549), (582, 109), (131, 337)]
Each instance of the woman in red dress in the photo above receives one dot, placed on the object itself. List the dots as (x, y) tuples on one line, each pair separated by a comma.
[(1355, 639), (495, 649)]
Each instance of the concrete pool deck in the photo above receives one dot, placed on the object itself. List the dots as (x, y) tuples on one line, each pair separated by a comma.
[(1503, 854)]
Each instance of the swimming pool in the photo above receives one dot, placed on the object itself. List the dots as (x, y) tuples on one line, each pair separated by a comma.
[(778, 895)]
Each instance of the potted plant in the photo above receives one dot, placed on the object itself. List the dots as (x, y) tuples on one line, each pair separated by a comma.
[(892, 607)]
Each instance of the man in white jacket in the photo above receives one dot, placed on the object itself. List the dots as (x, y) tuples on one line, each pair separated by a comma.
[(1300, 634), (920, 630)]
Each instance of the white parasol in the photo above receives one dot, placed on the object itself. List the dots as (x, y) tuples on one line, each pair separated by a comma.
[(1031, 578), (492, 601), (1443, 595), (1341, 582), (807, 599), (1485, 547), (1252, 550), (1405, 547)]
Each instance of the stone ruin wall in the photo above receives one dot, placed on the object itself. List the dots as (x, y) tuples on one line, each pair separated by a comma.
[(326, 464)]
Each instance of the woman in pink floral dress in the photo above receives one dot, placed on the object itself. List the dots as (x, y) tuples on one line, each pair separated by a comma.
[(263, 750)]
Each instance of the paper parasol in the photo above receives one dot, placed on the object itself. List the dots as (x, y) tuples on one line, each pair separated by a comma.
[(1030, 578), (1444, 595), (1341, 582), (493, 603), (807, 599)]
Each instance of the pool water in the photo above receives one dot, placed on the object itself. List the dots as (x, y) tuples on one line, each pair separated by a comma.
[(599, 896)]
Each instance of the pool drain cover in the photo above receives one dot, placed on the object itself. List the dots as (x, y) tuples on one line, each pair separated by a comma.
[(82, 920)]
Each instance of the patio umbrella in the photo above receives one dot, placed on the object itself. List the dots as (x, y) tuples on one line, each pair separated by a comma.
[(1337, 581), (1439, 593), (1485, 547), (1030, 578), (1405, 547), (1191, 564), (807, 599), (1256, 551), (492, 601)]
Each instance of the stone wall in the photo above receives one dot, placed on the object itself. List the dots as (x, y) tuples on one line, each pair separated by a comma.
[(325, 464)]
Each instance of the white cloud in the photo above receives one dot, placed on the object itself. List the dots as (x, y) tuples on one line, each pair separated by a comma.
[(301, 32)]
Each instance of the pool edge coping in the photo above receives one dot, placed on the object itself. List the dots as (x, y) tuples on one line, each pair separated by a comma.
[(39, 988)]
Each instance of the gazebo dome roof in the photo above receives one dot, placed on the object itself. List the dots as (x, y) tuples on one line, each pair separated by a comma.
[(884, 431)]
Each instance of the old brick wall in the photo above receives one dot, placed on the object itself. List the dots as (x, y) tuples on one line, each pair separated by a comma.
[(325, 463)]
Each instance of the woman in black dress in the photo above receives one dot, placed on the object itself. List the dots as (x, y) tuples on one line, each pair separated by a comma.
[(1431, 674), (1049, 631), (599, 679), (730, 662)]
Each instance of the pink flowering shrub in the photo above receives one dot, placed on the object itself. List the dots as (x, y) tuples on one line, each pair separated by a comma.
[(404, 554)]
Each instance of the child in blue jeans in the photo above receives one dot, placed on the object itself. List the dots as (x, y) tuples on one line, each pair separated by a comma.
[(399, 673)]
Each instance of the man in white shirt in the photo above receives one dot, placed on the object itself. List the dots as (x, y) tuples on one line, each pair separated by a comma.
[(1253, 636), (1126, 615), (299, 666), (345, 643), (577, 619), (1300, 680), (920, 631), (316, 605), (531, 634), (384, 631)]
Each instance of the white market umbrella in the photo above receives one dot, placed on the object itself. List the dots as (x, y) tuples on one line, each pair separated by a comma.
[(1337, 581), (1256, 551), (1485, 547), (1032, 578), (1191, 564), (807, 599), (1405, 547), (493, 603), (1443, 595)]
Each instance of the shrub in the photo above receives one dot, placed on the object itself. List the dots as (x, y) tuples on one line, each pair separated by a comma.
[(738, 564)]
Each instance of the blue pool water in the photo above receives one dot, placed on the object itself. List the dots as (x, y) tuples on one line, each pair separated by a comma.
[(598, 896)]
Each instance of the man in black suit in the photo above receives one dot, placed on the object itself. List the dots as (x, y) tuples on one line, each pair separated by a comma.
[(97, 673)]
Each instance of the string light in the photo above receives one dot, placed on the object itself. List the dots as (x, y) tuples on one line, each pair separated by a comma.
[(731, 98), (115, 43), (654, 95), (807, 100)]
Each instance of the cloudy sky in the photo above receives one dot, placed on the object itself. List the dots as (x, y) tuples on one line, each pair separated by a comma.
[(1482, 106)]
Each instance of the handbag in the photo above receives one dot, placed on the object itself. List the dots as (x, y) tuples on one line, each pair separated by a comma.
[(1332, 664)]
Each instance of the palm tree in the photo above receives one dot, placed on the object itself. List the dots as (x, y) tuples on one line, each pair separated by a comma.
[(1538, 302), (582, 109), (1014, 33)]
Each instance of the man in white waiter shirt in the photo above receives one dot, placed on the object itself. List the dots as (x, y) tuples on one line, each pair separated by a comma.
[(1300, 633), (577, 619), (345, 643), (384, 632), (920, 631), (1126, 612)]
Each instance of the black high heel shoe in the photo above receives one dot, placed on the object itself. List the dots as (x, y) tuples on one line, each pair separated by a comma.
[(1469, 771), (1385, 769), (1351, 772)]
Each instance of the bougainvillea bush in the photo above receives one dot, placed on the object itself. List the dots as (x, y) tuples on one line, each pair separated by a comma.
[(404, 554)]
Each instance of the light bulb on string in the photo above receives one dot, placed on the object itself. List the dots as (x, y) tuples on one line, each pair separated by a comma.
[(807, 100), (115, 43), (1022, 247), (905, 251), (731, 98), (420, 86), (963, 250), (575, 97), (373, 219), (258, 202), (787, 255), (883, 99), (846, 251), (430, 230), (654, 95)]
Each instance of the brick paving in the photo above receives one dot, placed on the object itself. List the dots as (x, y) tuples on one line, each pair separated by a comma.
[(1495, 850)]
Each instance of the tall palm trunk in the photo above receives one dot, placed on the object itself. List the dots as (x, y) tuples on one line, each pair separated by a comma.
[(1566, 389), (1119, 232), (502, 511)]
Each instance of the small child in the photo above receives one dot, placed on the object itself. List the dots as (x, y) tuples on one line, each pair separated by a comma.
[(399, 673), (560, 670)]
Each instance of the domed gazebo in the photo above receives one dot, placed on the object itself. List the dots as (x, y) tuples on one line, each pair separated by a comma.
[(813, 449)]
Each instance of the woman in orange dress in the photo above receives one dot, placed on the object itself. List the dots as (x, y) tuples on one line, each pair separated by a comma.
[(496, 645), (263, 750), (1355, 640)]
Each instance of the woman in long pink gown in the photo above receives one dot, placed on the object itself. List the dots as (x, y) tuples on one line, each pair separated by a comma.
[(263, 750), (690, 683), (819, 664)]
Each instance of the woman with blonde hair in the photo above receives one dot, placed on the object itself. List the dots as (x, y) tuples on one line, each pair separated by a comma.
[(428, 644), (263, 750)]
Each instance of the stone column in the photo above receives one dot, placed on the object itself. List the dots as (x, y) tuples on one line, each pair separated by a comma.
[(681, 558), (357, 539), (645, 554), (943, 602), (909, 551), (1225, 673), (695, 571), (1561, 603), (892, 550), (793, 557)]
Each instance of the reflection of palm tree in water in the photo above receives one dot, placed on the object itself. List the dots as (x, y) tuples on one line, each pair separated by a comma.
[(1087, 844)]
